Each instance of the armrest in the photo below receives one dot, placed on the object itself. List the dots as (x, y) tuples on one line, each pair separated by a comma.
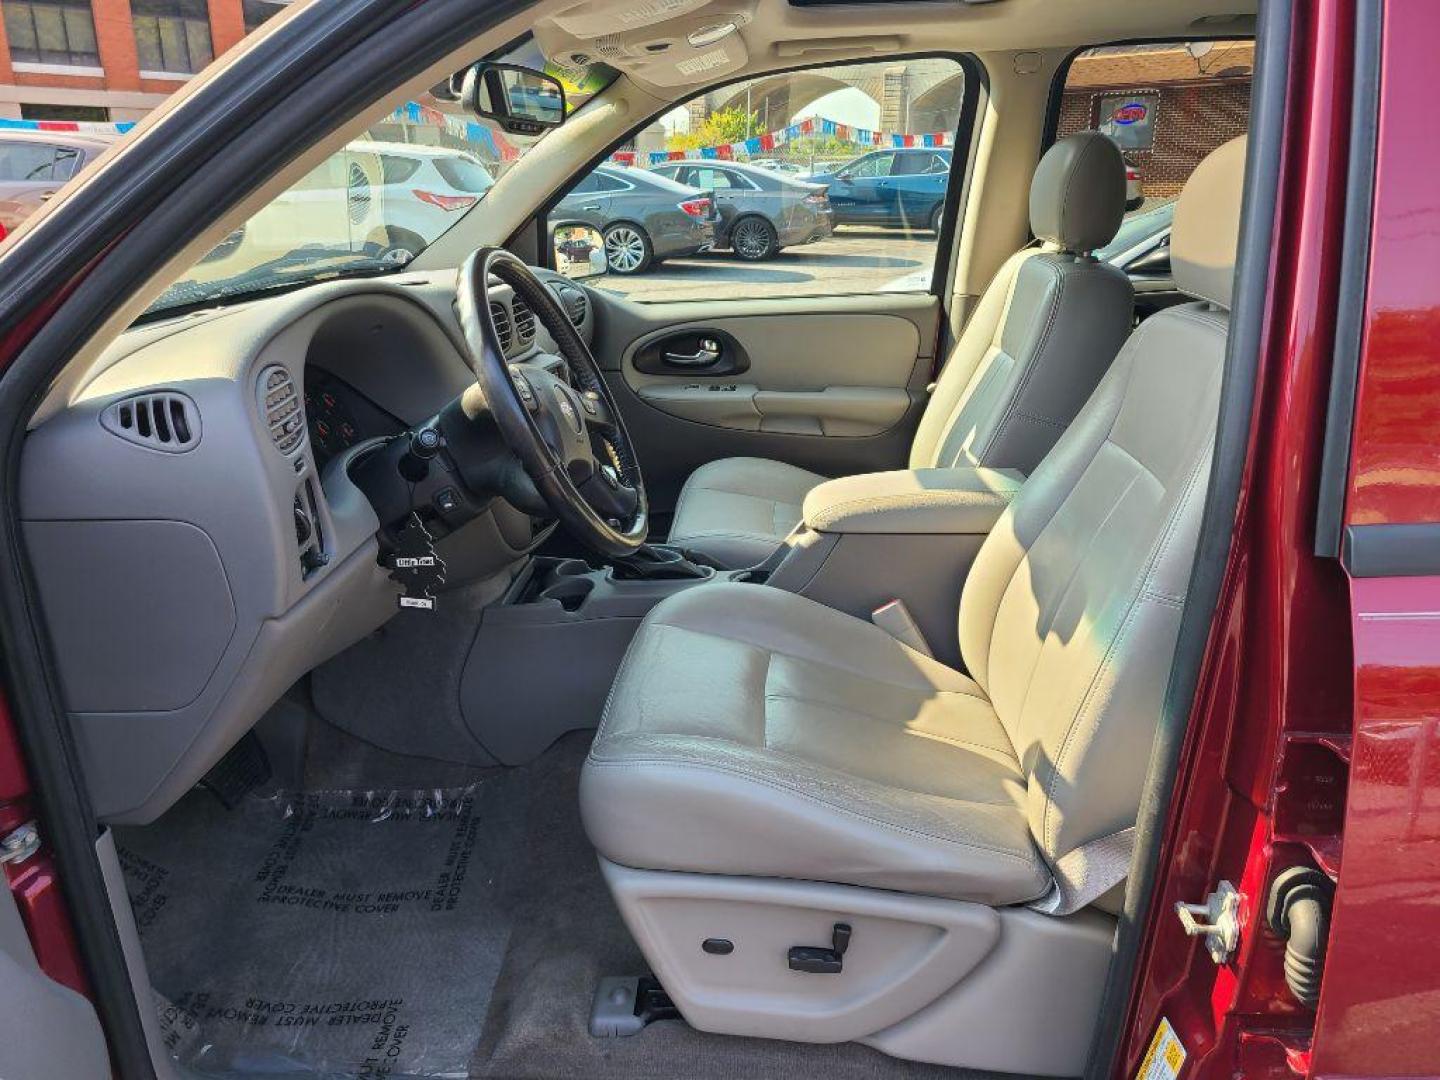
[(945, 501)]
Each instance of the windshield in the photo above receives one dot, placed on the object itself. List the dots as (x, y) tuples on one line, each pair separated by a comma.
[(374, 205)]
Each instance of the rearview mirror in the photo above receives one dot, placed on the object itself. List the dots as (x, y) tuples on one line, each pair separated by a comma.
[(579, 250), (521, 100)]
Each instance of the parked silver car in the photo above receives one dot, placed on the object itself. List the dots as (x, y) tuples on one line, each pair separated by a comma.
[(760, 211)]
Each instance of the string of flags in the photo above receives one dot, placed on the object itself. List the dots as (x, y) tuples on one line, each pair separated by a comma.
[(103, 127), (767, 143), (492, 142)]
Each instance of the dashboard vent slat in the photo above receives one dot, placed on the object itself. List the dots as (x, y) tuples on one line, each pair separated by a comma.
[(524, 321), (503, 328), (281, 407), (165, 420)]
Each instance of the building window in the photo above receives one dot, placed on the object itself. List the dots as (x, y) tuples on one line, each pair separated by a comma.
[(31, 111), (257, 11), (51, 32), (172, 35)]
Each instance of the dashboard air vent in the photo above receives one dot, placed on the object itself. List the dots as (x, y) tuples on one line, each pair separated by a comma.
[(524, 321), (280, 403), (503, 328), (165, 421)]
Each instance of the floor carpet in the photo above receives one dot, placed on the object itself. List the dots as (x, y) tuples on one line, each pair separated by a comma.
[(377, 926)]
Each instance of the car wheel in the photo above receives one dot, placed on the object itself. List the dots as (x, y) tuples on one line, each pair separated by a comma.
[(628, 249), (399, 246), (936, 217), (1134, 204), (754, 239)]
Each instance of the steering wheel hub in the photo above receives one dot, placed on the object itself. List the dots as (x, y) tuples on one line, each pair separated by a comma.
[(565, 432)]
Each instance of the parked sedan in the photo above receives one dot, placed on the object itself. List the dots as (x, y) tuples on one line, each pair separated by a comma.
[(643, 216), (904, 188), (760, 211), (34, 165)]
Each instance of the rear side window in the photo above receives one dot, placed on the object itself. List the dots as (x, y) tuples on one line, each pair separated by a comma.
[(396, 170), (1166, 105), (31, 161), (464, 174)]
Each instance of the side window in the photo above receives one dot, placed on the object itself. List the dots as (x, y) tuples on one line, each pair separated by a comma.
[(847, 170), (871, 166), (67, 162), (1166, 105), (27, 161), (396, 170), (713, 179), (588, 184), (609, 183)]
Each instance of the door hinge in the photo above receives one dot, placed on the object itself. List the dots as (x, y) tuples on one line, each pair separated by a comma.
[(1221, 921), (20, 844)]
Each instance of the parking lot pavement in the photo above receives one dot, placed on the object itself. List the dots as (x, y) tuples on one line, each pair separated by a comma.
[(854, 260)]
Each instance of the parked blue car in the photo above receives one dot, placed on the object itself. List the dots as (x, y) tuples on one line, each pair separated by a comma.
[(890, 187)]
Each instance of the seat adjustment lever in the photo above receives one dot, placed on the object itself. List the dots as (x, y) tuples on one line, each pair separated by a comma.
[(818, 960)]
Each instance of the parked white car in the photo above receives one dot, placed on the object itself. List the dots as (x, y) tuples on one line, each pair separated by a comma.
[(425, 188), (392, 199)]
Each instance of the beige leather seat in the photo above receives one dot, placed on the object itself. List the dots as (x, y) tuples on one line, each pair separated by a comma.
[(1038, 342), (754, 732)]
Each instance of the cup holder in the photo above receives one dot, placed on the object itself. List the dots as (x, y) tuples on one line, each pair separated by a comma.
[(570, 568), (569, 591)]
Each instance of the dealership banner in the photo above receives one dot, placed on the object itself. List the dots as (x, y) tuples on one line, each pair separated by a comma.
[(765, 144)]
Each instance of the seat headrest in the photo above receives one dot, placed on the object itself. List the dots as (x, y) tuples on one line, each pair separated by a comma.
[(1206, 231), (1077, 197)]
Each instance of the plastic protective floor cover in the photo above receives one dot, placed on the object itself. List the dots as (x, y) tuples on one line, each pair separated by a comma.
[(341, 933)]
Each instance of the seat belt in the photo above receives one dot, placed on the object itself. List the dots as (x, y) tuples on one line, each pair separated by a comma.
[(1082, 876)]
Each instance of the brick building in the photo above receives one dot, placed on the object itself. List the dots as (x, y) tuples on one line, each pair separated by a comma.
[(111, 59), (1192, 103)]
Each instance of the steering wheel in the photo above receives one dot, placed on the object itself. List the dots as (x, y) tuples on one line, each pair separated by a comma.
[(567, 435)]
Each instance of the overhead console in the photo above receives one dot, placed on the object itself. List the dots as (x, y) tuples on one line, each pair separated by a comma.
[(661, 42)]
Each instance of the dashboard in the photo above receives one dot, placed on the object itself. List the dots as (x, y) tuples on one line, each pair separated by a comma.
[(196, 542)]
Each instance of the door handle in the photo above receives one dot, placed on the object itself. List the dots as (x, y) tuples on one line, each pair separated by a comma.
[(594, 208), (706, 355)]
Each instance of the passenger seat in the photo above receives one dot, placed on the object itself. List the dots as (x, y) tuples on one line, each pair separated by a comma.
[(1033, 351)]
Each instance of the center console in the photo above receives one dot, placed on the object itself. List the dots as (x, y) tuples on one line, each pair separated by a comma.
[(547, 651)]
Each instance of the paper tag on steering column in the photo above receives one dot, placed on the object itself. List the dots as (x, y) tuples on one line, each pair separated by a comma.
[(1165, 1056)]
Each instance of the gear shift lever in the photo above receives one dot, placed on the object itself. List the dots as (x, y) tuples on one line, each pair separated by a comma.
[(649, 563)]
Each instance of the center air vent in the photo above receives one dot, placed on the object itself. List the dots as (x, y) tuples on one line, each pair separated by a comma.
[(503, 328), (524, 321), (280, 403), (165, 421)]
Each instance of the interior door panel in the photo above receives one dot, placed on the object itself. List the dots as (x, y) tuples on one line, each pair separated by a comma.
[(832, 384)]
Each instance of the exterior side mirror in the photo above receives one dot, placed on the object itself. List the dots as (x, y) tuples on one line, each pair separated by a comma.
[(579, 250), (521, 100)]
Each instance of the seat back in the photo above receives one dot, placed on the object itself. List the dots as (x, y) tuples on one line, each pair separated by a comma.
[(1070, 614), (1047, 327)]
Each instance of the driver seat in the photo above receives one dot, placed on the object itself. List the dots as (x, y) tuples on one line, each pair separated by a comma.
[(768, 769)]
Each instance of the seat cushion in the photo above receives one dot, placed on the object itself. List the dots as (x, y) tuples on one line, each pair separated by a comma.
[(754, 732), (738, 510)]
